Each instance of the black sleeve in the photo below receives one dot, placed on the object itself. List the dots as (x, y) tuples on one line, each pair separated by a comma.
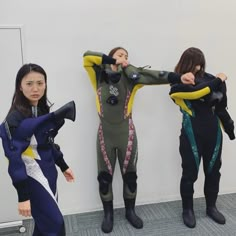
[(22, 189), (174, 78), (192, 92), (58, 157), (108, 60), (223, 114)]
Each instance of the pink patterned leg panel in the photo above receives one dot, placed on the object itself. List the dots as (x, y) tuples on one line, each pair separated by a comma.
[(99, 93), (126, 104), (129, 146), (103, 149)]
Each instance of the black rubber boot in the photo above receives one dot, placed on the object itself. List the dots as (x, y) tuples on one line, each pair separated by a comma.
[(188, 213), (67, 111), (215, 215), (211, 209), (107, 223), (189, 218), (130, 214)]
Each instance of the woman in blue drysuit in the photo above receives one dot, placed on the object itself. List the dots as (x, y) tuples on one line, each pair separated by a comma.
[(204, 110), (28, 140)]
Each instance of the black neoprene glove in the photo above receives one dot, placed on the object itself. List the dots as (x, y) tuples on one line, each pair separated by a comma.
[(227, 123), (229, 129)]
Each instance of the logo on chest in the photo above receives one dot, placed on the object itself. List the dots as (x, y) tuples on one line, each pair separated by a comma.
[(112, 99), (113, 90)]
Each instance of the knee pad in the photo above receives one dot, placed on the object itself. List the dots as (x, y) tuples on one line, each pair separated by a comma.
[(104, 180), (130, 178)]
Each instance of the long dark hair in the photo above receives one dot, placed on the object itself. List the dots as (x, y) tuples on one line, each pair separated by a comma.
[(113, 51), (188, 61), (19, 101)]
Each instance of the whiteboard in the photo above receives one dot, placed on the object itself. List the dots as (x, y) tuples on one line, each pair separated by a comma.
[(11, 59)]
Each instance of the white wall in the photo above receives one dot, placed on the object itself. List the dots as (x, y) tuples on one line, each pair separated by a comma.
[(155, 32)]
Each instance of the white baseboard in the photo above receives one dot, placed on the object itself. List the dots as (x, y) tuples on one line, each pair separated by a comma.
[(11, 224)]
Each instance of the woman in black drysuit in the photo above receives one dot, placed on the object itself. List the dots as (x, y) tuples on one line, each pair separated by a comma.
[(204, 112)]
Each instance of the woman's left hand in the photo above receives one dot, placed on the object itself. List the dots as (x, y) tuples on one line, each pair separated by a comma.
[(188, 78), (69, 175)]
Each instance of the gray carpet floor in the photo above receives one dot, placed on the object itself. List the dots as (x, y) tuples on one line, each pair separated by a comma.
[(160, 219)]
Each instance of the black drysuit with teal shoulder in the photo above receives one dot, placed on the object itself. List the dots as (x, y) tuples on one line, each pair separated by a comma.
[(204, 110)]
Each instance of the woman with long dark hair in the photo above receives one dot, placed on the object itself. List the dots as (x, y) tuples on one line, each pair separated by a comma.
[(28, 140)]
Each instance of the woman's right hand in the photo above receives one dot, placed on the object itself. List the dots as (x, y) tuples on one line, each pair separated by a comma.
[(24, 208), (69, 175), (221, 76)]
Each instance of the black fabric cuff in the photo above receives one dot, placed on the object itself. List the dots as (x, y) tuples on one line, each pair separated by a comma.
[(229, 129), (231, 135), (108, 60), (22, 189), (60, 162), (174, 78)]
